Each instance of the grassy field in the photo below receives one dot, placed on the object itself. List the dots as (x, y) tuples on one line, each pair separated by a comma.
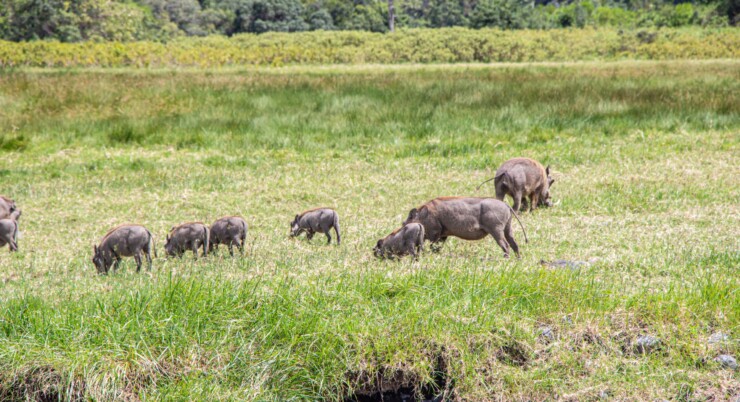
[(646, 157)]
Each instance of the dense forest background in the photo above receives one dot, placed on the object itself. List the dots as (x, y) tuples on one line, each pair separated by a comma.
[(162, 20)]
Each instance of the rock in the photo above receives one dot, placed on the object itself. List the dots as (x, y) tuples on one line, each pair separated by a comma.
[(718, 337), (646, 344), (567, 320), (604, 394), (546, 334), (727, 361)]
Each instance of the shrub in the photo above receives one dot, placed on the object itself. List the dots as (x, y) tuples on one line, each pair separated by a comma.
[(450, 45)]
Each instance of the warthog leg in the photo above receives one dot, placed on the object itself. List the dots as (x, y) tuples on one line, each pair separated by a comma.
[(412, 250), (533, 200), (510, 238), (436, 246), (326, 228), (137, 257), (240, 243), (499, 236), (517, 196)]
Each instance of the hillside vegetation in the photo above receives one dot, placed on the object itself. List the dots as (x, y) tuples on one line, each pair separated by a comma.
[(165, 20), (454, 45)]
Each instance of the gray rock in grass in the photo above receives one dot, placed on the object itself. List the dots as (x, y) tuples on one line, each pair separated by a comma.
[(727, 361), (546, 334), (718, 337), (646, 344)]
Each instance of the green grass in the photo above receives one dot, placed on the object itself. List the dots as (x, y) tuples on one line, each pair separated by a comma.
[(645, 157)]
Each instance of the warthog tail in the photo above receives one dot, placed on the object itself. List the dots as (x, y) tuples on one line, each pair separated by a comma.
[(208, 240), (152, 246), (336, 227), (520, 222), (479, 186)]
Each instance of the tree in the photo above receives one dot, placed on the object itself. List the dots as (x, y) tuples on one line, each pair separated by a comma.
[(271, 15), (447, 13), (391, 16), (33, 19), (321, 20), (367, 18), (505, 14)]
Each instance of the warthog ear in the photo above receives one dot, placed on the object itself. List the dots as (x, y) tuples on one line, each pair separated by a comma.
[(379, 243), (547, 170), (95, 248)]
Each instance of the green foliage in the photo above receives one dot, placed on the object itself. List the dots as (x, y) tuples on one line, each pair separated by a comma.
[(366, 18), (505, 14), (448, 13), (164, 20), (321, 20), (271, 15), (614, 17), (682, 14), (450, 45)]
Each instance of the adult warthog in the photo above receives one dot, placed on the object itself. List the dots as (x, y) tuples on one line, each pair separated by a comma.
[(229, 230), (123, 241), (520, 178), (469, 218), (187, 236)]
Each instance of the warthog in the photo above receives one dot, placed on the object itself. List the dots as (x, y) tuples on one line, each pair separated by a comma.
[(187, 236), (408, 239), (9, 231), (319, 220), (229, 230), (7, 207), (468, 218), (523, 177), (123, 241)]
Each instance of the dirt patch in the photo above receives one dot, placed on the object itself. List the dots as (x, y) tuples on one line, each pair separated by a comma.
[(41, 384), (399, 384), (514, 353)]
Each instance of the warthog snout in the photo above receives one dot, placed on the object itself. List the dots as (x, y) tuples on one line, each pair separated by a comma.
[(97, 260), (378, 249), (295, 229)]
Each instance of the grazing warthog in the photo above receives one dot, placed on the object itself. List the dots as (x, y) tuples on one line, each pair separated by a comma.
[(406, 240), (468, 218), (319, 220), (123, 241), (7, 207), (523, 177), (229, 230), (187, 236), (9, 231)]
